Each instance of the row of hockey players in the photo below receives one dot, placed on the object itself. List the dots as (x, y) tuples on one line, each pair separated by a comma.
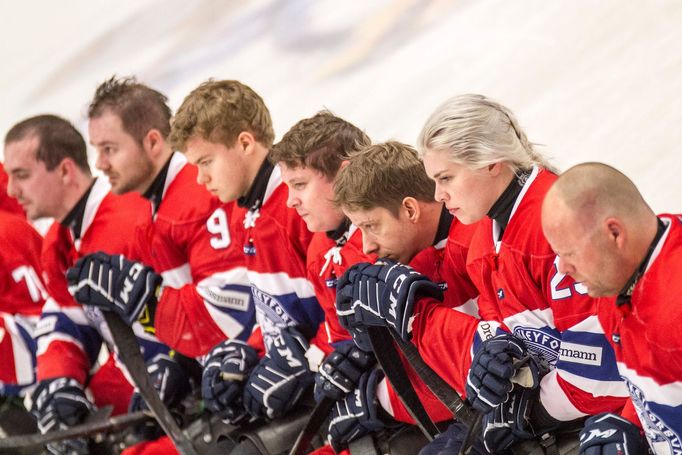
[(311, 239)]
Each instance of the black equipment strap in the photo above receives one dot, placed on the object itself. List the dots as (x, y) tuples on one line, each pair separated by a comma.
[(389, 360)]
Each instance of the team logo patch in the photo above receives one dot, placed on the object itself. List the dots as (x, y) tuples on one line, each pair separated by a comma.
[(661, 437), (331, 282), (443, 286), (500, 294), (541, 342), (250, 249)]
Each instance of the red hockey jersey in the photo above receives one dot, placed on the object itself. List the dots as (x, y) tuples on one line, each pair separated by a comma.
[(647, 341), (521, 286), (328, 260), (275, 242), (22, 296), (442, 332), (69, 336), (186, 238)]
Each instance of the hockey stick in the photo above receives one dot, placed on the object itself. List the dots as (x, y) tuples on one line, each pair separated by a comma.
[(389, 360), (97, 424), (317, 417), (443, 391), (129, 352)]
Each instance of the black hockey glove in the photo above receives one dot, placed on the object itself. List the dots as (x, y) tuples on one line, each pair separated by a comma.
[(358, 413), (450, 441), (226, 369), (281, 377), (610, 434), (509, 422), (172, 383), (58, 404), (492, 369), (383, 294), (340, 372), (114, 283)]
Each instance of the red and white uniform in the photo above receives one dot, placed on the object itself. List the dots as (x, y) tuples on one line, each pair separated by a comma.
[(521, 287), (647, 341), (69, 336), (186, 238), (22, 296), (443, 332), (328, 259), (275, 242)]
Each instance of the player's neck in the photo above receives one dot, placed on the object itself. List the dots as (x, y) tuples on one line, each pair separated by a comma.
[(253, 165), (73, 193)]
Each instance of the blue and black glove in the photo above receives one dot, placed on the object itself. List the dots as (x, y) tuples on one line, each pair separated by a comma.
[(382, 294), (340, 372), (114, 283), (281, 377), (226, 368), (172, 384), (492, 369), (450, 441), (357, 414), (58, 404), (610, 434), (509, 423)]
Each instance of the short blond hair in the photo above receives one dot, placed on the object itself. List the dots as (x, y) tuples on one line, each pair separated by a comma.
[(382, 175), (218, 111), (476, 132)]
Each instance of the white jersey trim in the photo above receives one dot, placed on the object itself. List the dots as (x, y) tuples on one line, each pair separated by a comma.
[(666, 394), (281, 283), (555, 400), (99, 191), (531, 318), (177, 277), (23, 362), (384, 399), (44, 342)]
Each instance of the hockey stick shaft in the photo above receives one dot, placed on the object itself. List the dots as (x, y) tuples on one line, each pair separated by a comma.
[(129, 353)]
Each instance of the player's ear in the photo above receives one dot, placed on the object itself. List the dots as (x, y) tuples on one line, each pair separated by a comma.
[(66, 169), (616, 232), (495, 169), (153, 142), (411, 208), (246, 142)]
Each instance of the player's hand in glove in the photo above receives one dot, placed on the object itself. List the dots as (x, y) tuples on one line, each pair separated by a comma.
[(610, 434), (58, 404), (280, 378), (357, 414), (508, 423), (114, 283), (450, 441), (383, 294), (226, 368), (340, 372), (492, 369), (172, 383)]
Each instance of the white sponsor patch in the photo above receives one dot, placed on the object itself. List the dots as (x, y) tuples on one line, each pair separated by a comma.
[(45, 326), (580, 353), (226, 298)]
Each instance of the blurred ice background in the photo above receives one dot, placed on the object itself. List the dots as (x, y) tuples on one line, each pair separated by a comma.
[(591, 80)]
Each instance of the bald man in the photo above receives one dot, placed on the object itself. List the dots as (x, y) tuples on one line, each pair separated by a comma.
[(606, 236)]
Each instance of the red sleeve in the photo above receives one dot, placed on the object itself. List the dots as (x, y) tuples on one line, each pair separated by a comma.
[(182, 322), (21, 287)]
